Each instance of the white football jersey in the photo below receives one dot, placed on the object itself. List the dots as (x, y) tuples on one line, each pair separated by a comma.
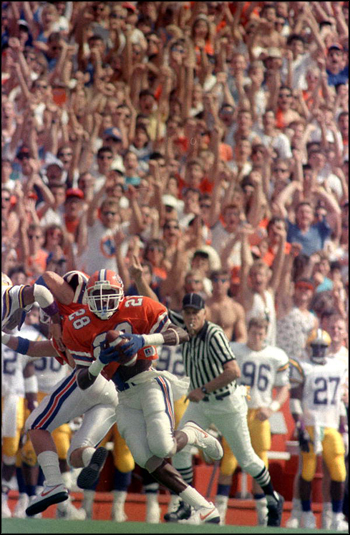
[(12, 365), (262, 371), (47, 369), (170, 359), (323, 389)]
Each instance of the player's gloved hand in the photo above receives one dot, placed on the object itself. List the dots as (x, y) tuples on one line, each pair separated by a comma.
[(303, 438), (137, 341), (109, 354)]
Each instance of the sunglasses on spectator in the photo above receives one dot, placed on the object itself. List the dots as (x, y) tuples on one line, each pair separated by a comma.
[(65, 154), (116, 16), (155, 248), (205, 205), (193, 281), (109, 213), (113, 139), (281, 95), (34, 236), (176, 49), (7, 199), (22, 156), (221, 279)]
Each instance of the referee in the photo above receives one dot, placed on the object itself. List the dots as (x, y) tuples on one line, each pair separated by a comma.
[(215, 398)]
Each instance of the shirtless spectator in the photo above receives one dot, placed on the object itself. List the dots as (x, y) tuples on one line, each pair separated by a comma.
[(224, 310)]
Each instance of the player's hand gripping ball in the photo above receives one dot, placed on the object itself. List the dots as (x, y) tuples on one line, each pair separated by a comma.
[(114, 352)]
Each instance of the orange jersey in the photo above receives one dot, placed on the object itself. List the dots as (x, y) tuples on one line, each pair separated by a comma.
[(84, 333), (65, 311)]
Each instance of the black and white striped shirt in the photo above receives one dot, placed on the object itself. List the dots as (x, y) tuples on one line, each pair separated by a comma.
[(205, 354)]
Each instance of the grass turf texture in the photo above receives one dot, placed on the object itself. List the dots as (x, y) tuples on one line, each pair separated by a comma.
[(46, 525)]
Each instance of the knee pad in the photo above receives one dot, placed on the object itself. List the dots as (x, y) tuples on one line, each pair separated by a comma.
[(162, 446), (337, 469)]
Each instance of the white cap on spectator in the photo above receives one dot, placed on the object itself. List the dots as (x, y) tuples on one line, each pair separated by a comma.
[(273, 52), (214, 258), (170, 200)]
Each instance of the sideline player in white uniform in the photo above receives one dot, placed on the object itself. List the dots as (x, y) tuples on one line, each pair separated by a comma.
[(263, 367), (19, 390), (316, 405), (49, 373)]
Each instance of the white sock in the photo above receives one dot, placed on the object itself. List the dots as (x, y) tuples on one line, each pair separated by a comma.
[(89, 496), (193, 498), (119, 496), (151, 498), (50, 466), (190, 433), (87, 454)]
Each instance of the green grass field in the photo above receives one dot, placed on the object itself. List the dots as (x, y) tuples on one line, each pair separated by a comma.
[(14, 525)]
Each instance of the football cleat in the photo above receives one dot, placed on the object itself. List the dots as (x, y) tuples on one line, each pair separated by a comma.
[(67, 511), (208, 515), (308, 520), (275, 510), (183, 512), (205, 441), (48, 496), (21, 506), (90, 474), (153, 513)]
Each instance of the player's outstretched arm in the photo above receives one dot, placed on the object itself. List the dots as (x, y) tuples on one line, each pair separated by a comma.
[(39, 348)]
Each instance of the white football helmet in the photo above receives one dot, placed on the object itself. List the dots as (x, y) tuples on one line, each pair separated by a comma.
[(78, 281), (104, 292), (318, 342)]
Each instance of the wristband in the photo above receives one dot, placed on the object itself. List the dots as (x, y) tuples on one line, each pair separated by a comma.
[(5, 338), (275, 406), (31, 385), (96, 367), (153, 339), (23, 345), (51, 310)]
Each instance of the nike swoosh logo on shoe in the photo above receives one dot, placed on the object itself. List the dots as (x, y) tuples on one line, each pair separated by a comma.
[(49, 491), (197, 429), (203, 517)]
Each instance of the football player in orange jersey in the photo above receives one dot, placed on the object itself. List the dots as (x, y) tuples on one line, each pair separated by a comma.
[(144, 414)]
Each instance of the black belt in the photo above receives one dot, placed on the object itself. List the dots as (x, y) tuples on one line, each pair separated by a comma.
[(219, 397)]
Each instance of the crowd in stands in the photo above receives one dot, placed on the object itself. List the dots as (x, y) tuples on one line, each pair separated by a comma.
[(210, 139)]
